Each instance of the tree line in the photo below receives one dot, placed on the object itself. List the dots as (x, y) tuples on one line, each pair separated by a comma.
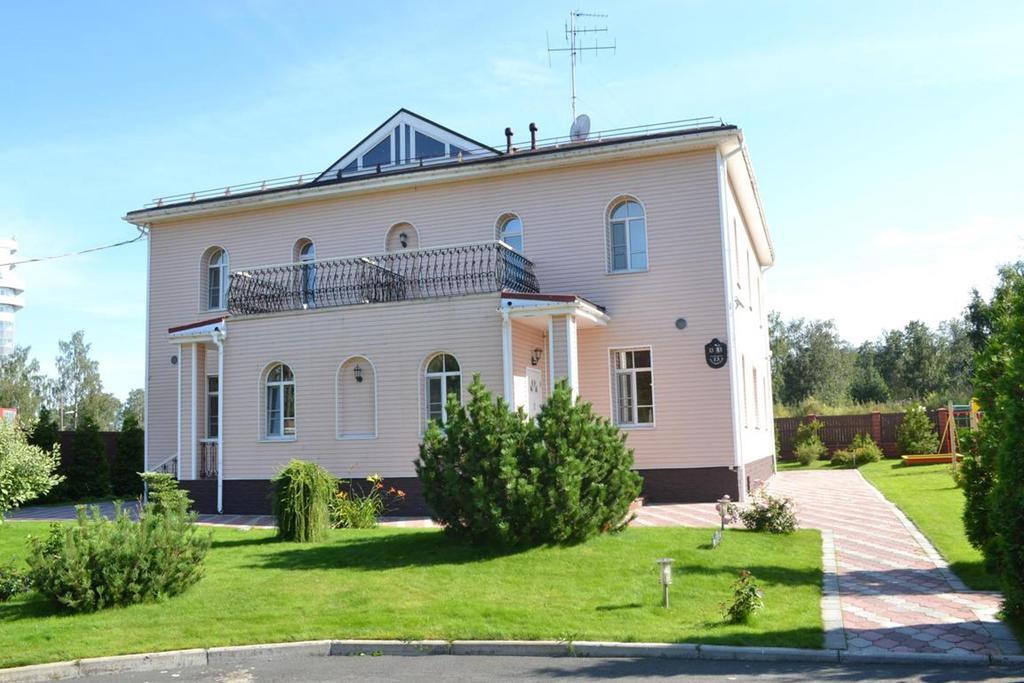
[(815, 370), (75, 393)]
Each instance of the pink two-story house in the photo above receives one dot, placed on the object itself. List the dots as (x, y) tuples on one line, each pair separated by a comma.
[(326, 317)]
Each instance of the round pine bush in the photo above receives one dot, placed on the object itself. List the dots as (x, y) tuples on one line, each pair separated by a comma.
[(916, 434), (303, 493), (493, 476)]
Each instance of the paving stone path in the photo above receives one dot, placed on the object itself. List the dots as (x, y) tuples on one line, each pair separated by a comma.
[(886, 588), (895, 592)]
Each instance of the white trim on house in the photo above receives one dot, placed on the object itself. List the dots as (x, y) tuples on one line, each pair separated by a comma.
[(580, 308), (507, 373), (503, 218), (551, 355), (572, 355), (177, 469), (730, 316), (338, 436)]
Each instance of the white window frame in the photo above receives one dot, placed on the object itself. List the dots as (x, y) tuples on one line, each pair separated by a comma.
[(281, 386), (499, 232), (306, 256), (615, 373), (757, 400), (222, 277), (609, 239), (443, 378), (210, 414)]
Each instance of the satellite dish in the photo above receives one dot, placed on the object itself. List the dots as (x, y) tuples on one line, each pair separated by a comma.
[(580, 128)]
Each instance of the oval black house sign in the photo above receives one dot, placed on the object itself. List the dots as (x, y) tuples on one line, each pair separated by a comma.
[(716, 353)]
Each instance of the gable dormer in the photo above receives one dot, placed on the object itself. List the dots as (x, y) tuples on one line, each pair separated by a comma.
[(406, 139)]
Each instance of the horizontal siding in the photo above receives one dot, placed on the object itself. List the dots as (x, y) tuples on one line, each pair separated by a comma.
[(563, 213)]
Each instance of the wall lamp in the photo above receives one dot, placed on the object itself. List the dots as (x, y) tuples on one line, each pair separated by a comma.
[(358, 372), (535, 356), (403, 239)]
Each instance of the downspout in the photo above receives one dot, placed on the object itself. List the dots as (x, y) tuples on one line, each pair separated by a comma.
[(193, 432), (734, 383), (218, 339), (177, 465)]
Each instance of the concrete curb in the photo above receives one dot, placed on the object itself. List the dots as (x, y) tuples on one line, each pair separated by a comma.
[(199, 657)]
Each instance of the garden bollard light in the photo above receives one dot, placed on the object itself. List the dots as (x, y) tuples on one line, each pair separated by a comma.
[(723, 507), (666, 578)]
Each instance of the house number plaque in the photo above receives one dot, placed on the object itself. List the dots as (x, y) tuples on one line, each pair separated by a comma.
[(716, 353)]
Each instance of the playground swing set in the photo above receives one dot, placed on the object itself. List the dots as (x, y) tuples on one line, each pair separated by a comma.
[(949, 444)]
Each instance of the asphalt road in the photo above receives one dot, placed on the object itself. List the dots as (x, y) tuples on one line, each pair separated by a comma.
[(476, 668)]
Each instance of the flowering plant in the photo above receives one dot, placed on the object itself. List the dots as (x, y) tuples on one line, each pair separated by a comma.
[(354, 508)]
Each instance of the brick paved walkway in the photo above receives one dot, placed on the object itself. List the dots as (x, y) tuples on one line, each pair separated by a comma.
[(886, 588)]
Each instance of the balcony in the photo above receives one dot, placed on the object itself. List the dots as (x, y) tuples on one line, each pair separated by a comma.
[(399, 276)]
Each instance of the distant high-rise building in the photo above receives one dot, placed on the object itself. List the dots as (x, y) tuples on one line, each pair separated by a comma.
[(11, 290)]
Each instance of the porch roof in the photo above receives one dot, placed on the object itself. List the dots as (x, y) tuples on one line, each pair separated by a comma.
[(201, 328), (537, 307)]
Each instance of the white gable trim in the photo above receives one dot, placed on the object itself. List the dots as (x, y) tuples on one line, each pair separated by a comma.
[(405, 146)]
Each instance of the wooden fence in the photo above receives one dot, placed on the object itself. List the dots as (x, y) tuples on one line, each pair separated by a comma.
[(838, 430)]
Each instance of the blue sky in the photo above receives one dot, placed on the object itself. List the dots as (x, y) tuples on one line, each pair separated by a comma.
[(886, 136)]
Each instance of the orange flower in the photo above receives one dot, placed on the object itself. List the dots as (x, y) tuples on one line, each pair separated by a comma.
[(401, 493)]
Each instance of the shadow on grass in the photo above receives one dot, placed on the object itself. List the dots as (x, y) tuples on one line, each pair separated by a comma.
[(372, 553), (780, 576)]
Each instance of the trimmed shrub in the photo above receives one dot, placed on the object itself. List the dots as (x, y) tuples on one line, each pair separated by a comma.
[(771, 514), (492, 476), (353, 508), (26, 471), (747, 598), (303, 492), (916, 434), (807, 445), (862, 450), (97, 562), (124, 478), (806, 453), (88, 473)]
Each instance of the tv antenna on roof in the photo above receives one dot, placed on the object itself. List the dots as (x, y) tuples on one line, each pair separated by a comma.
[(573, 38)]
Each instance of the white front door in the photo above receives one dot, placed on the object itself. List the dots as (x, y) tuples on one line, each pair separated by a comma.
[(533, 381)]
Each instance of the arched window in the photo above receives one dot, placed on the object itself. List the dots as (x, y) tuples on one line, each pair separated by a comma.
[(305, 254), (510, 231), (357, 399), (279, 408), (216, 279), (443, 378), (400, 237), (627, 237)]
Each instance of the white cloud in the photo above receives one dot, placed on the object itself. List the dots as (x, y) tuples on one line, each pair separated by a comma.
[(896, 275)]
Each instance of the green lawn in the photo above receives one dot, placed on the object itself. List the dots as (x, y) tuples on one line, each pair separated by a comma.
[(416, 584), (928, 496)]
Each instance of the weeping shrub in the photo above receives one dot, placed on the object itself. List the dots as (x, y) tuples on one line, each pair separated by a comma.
[(492, 476), (303, 492)]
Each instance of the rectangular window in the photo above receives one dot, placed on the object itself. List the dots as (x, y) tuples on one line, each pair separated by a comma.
[(637, 245), (633, 385), (620, 258), (746, 403), (212, 405), (274, 410), (757, 402), (213, 286)]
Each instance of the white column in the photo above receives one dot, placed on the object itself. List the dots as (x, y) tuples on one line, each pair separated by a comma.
[(506, 359), (195, 391), (218, 339), (178, 452), (551, 355), (572, 355)]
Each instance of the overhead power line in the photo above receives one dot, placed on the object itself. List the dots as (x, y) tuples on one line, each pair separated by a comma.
[(141, 236)]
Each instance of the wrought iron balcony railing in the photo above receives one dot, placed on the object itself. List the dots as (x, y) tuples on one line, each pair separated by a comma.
[(398, 276)]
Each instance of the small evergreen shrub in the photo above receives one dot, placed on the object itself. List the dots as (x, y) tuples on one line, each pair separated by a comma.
[(916, 434), (164, 494), (492, 476), (97, 562), (808, 446), (13, 582), (303, 492), (771, 514), (88, 473), (26, 471), (806, 453), (747, 598), (861, 451), (354, 508)]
